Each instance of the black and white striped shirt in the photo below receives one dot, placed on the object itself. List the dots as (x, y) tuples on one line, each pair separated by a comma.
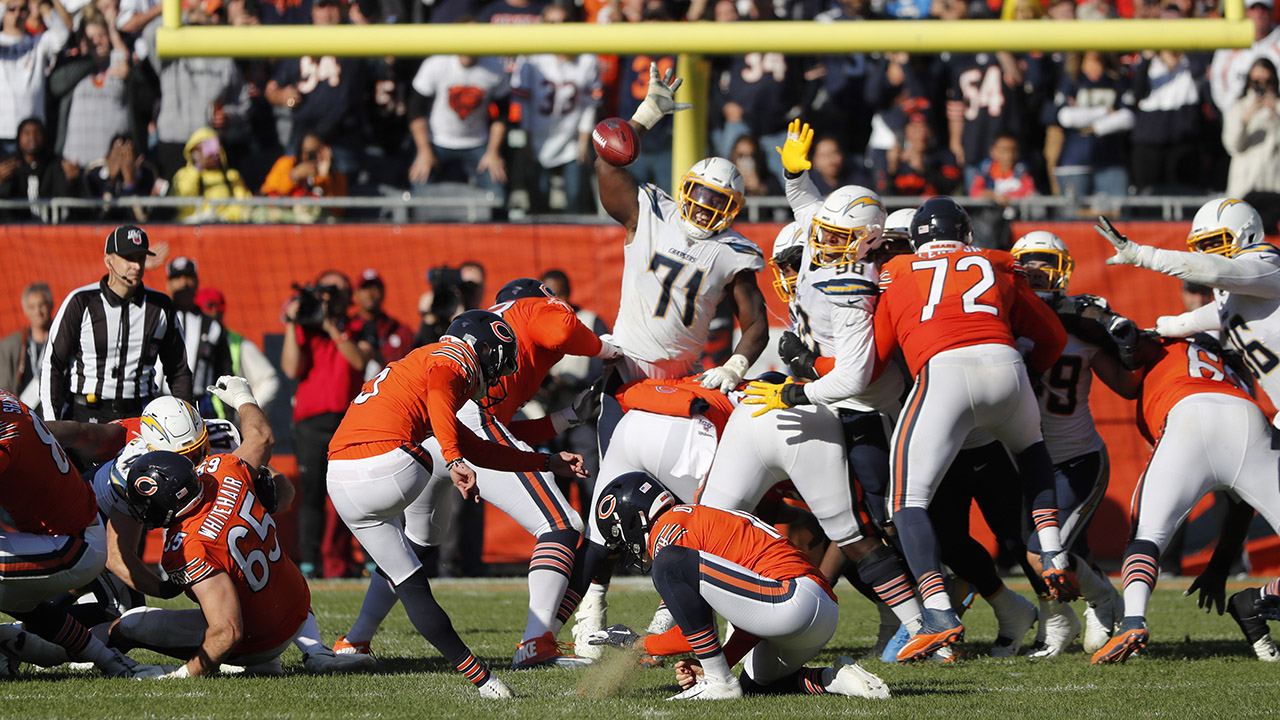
[(104, 345), (208, 350)]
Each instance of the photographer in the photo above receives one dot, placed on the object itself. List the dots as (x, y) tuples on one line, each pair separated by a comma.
[(1251, 134), (453, 291), (309, 173), (329, 366)]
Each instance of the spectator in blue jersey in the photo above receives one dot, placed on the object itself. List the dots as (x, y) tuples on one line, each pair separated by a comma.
[(985, 98), (1094, 109), (323, 95), (512, 12), (1251, 134), (1170, 89), (654, 164)]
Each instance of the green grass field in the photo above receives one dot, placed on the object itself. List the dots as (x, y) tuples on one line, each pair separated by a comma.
[(1197, 667)]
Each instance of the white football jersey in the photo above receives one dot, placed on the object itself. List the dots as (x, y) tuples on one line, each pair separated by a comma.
[(560, 96), (459, 118), (671, 285), (828, 301), (1251, 326), (1065, 418)]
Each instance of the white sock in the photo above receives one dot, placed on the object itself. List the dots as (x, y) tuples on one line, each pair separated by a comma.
[(309, 641), (595, 599), (30, 648), (1002, 601), (1094, 587), (546, 588), (1136, 595), (378, 601), (717, 668)]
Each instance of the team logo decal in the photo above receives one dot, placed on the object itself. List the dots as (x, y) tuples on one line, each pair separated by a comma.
[(145, 486), (465, 99), (607, 504), (664, 389), (135, 237), (503, 331), (864, 200), (1226, 204)]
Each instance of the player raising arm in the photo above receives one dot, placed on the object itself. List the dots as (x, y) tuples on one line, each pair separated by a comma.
[(680, 260)]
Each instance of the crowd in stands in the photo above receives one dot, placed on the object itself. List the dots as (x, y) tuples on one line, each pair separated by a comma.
[(88, 109)]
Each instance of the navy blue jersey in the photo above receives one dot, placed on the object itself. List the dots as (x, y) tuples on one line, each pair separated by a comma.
[(978, 93), (500, 12), (765, 85), (331, 88), (633, 85), (1080, 147)]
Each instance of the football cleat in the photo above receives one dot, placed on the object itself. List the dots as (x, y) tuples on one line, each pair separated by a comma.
[(1100, 621), (1241, 608), (345, 647), (853, 680), (271, 668), (1265, 649), (326, 664), (945, 655), (544, 650), (941, 628), (1130, 637), (495, 689), (1059, 627), (895, 645), (591, 615), (1013, 625), (708, 689)]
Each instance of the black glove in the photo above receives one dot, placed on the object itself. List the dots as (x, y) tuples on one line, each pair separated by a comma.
[(264, 486), (797, 355), (619, 636), (793, 395), (1267, 607), (168, 589), (1212, 585), (586, 407)]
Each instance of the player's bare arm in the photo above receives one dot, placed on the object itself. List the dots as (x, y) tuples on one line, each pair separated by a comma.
[(221, 607), (753, 319), (258, 440), (92, 442), (124, 534), (1107, 368)]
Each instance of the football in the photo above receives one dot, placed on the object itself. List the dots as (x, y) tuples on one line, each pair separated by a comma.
[(616, 142)]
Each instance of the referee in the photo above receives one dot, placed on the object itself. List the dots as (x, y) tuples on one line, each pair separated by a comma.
[(106, 337)]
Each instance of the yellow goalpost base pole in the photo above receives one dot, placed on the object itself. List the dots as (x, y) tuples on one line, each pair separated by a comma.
[(797, 38), (688, 135)]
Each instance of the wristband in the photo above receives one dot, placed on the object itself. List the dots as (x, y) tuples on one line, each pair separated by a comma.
[(546, 466), (454, 463)]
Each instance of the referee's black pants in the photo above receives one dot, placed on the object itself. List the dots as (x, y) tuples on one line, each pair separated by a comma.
[(311, 438)]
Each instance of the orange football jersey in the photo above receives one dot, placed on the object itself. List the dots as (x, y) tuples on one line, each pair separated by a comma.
[(416, 397), (736, 537), (679, 398), (1184, 369), (546, 330), (936, 301), (132, 428), (39, 487), (232, 532)]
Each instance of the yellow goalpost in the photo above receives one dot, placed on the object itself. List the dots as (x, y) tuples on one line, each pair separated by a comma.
[(691, 41)]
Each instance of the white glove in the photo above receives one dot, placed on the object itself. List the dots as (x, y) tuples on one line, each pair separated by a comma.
[(660, 100), (233, 391), (726, 377), (1126, 251), (179, 671), (608, 350)]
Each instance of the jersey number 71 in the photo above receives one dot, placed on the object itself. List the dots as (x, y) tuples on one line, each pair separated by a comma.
[(673, 269)]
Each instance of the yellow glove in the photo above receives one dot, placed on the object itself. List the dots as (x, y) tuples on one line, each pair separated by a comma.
[(767, 394), (795, 151)]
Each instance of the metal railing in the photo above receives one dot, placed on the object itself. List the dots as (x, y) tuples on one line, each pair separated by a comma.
[(407, 207)]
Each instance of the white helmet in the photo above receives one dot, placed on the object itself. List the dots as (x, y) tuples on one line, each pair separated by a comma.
[(788, 248), (710, 197), (171, 424), (849, 223), (1225, 226), (1048, 248), (898, 225)]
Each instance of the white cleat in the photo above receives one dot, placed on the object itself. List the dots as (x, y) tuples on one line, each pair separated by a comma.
[(1265, 649), (707, 689), (591, 619), (1013, 625), (495, 689), (1059, 627), (322, 664), (1100, 620), (662, 621), (854, 681)]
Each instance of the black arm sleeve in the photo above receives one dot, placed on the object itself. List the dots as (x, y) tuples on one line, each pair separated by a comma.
[(419, 105)]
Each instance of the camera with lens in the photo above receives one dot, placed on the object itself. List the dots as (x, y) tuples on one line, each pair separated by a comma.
[(446, 287), (313, 307)]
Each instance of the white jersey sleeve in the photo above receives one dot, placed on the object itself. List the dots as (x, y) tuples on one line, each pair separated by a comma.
[(853, 308), (1253, 271), (803, 197), (1202, 319)]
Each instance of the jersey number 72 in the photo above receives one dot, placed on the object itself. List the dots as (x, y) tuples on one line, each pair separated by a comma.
[(940, 267)]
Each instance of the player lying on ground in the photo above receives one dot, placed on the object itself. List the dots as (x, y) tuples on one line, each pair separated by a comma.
[(707, 561)]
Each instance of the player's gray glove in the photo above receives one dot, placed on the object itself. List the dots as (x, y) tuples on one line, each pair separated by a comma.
[(1212, 585), (797, 356), (619, 636), (1126, 251), (233, 391), (660, 100), (728, 376), (1268, 607)]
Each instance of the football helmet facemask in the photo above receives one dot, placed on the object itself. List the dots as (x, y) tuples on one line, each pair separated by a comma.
[(627, 509), (788, 250), (710, 197), (1043, 246), (171, 424), (162, 485), (1225, 226), (848, 225)]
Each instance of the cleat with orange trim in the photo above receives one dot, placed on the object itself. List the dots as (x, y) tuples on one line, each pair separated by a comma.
[(342, 647), (1130, 637), (545, 651), (941, 628)]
